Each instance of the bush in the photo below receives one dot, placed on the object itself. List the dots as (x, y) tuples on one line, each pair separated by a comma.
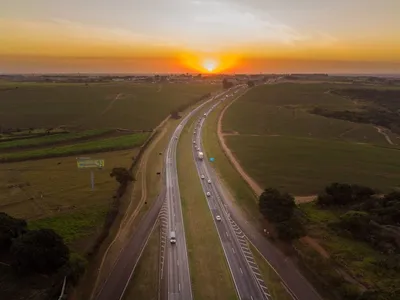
[(122, 175)]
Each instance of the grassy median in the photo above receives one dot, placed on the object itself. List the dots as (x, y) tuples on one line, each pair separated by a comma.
[(209, 272)]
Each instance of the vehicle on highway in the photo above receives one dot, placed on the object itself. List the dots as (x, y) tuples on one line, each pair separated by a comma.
[(176, 137), (200, 155), (172, 237), (208, 194), (205, 114), (218, 218), (194, 142), (195, 132), (202, 176), (209, 181)]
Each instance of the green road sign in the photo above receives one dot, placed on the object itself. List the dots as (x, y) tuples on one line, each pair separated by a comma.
[(85, 163)]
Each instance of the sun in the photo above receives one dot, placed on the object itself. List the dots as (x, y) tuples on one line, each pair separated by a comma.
[(210, 65)]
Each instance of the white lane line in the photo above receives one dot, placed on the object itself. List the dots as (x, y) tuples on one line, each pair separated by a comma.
[(251, 297), (241, 271), (227, 234), (233, 250), (179, 287)]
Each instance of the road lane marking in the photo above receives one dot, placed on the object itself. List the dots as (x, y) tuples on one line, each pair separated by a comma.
[(227, 234), (241, 271), (179, 287), (233, 251)]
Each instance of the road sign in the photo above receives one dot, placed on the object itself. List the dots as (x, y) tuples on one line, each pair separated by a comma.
[(211, 158), (90, 163)]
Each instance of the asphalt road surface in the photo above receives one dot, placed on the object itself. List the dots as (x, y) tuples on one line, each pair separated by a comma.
[(297, 285), (246, 276), (116, 283), (177, 265), (178, 269)]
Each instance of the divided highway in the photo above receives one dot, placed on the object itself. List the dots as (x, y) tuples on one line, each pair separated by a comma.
[(177, 265), (179, 287), (298, 286), (246, 276)]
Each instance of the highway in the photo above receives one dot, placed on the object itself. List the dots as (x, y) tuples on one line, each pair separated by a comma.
[(246, 276), (179, 287), (297, 285), (177, 266)]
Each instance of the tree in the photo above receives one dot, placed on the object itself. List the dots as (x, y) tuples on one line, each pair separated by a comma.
[(10, 228), (290, 229), (41, 251), (275, 206), (122, 175)]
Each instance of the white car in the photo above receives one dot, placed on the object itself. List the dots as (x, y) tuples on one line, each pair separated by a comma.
[(194, 142), (209, 181), (202, 176), (208, 194), (218, 218)]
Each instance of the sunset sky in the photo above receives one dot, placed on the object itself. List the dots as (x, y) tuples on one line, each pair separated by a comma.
[(147, 36)]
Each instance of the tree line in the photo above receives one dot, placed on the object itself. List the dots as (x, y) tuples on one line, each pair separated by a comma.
[(385, 111), (366, 215)]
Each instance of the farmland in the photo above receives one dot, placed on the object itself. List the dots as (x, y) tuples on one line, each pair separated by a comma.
[(109, 144), (51, 139), (281, 144), (46, 125), (93, 106)]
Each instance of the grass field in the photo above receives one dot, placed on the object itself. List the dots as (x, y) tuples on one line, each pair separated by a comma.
[(53, 139), (109, 144), (357, 258), (48, 193), (280, 144), (210, 275), (305, 166), (96, 106)]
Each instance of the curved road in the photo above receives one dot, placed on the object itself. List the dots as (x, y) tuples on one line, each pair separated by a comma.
[(297, 285)]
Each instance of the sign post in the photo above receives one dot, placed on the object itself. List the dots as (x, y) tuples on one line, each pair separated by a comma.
[(88, 163)]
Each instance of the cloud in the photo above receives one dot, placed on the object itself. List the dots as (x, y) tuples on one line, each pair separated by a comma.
[(26, 35), (230, 24)]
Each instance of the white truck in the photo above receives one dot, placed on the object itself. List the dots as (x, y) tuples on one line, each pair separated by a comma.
[(200, 155)]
